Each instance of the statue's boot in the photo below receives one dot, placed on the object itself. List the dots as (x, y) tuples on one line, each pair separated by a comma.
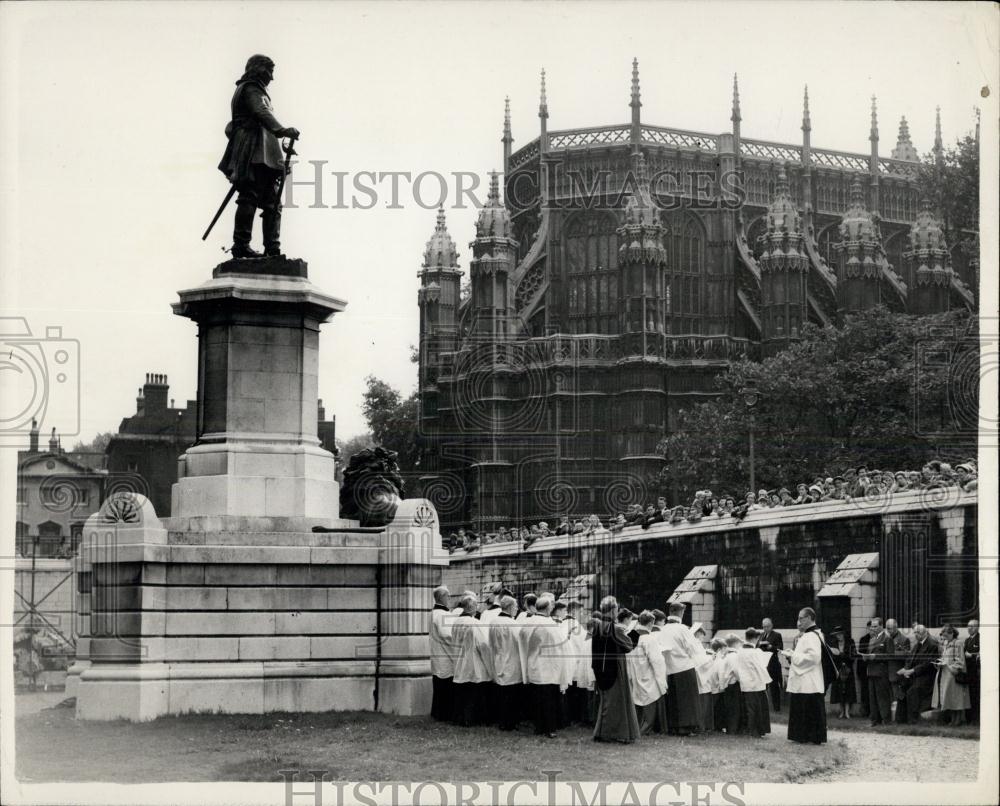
[(272, 231), (243, 231)]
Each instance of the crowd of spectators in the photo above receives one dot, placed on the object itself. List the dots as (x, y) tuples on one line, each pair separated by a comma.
[(859, 483)]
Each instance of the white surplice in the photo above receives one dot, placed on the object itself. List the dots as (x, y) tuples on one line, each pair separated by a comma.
[(647, 670), (474, 660), (508, 665), (440, 643)]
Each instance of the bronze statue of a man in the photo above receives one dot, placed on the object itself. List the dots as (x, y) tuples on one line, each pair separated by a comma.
[(254, 160)]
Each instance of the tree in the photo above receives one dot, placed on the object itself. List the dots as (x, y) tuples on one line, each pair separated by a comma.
[(953, 188), (392, 420), (98, 444), (887, 390)]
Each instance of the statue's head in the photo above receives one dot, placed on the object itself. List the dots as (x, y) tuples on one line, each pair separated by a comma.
[(259, 68)]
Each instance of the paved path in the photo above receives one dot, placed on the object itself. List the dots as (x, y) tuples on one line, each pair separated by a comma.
[(882, 757)]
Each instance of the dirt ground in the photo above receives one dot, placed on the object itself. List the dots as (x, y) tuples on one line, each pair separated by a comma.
[(51, 745)]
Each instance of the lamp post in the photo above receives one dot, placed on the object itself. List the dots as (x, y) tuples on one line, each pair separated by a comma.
[(751, 396)]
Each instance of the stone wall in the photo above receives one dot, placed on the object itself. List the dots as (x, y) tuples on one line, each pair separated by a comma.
[(771, 564)]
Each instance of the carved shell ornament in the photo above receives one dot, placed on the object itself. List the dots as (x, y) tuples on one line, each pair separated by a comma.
[(121, 508), (423, 516)]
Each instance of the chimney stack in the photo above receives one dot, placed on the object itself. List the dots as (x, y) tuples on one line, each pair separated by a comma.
[(33, 445), (155, 393)]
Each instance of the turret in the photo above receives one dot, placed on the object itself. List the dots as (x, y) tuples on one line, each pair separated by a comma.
[(928, 263), (904, 149), (784, 267), (507, 139), (641, 254), (860, 256), (873, 159), (642, 261), (53, 442), (438, 297), (938, 141), (736, 117), (642, 257), (543, 117), (493, 258), (806, 157), (635, 133)]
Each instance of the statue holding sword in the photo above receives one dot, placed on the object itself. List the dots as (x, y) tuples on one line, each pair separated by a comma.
[(254, 161)]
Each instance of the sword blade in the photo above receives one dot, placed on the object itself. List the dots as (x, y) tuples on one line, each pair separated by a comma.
[(225, 201)]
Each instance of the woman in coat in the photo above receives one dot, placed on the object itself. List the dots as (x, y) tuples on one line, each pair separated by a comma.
[(844, 652), (950, 695), (616, 718)]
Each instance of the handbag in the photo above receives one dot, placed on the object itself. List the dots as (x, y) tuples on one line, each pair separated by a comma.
[(962, 677)]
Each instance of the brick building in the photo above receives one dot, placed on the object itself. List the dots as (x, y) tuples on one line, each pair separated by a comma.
[(143, 455)]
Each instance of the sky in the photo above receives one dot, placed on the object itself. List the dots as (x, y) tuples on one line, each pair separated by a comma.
[(112, 126)]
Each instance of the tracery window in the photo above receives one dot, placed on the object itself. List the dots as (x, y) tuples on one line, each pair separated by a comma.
[(592, 274), (686, 268)]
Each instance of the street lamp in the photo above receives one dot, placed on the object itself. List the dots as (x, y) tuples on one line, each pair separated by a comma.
[(751, 396)]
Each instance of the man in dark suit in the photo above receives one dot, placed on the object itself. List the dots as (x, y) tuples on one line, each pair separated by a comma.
[(863, 669), (899, 650), (876, 659), (919, 672), (771, 641)]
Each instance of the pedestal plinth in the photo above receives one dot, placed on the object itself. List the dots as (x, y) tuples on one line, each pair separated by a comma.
[(257, 452), (235, 604)]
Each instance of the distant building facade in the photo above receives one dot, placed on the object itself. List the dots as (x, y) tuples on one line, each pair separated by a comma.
[(57, 491), (626, 267), (148, 443)]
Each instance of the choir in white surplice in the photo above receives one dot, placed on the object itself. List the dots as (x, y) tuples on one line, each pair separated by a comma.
[(553, 664)]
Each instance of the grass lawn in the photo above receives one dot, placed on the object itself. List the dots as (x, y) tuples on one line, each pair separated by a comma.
[(928, 727), (53, 746)]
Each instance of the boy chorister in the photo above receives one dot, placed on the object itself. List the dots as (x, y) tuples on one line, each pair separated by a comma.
[(753, 677)]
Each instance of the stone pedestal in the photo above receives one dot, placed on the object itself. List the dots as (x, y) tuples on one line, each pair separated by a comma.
[(257, 452), (235, 604)]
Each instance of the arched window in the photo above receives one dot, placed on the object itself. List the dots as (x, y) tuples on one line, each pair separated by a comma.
[(592, 274), (686, 268)]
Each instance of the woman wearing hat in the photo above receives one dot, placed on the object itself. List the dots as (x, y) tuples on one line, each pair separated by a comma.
[(950, 694), (844, 653)]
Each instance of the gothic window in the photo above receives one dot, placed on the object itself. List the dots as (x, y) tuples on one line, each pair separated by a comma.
[(591, 269), (686, 267)]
